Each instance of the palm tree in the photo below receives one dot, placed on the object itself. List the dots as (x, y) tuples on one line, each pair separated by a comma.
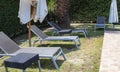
[(62, 13)]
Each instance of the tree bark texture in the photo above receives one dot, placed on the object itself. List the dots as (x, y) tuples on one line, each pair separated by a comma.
[(62, 13)]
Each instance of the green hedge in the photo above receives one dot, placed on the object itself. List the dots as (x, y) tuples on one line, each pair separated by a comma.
[(80, 10), (88, 10), (9, 22)]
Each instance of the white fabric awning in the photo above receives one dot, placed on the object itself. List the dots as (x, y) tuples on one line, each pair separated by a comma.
[(41, 11), (113, 16), (25, 10)]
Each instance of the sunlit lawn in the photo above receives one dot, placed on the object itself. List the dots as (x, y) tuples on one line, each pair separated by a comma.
[(84, 59)]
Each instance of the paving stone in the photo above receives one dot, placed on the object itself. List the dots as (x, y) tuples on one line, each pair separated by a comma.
[(110, 58)]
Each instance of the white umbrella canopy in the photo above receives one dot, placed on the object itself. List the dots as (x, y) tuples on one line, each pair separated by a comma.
[(113, 16), (32, 10)]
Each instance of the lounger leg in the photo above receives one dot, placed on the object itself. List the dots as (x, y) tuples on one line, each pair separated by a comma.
[(54, 61), (79, 40), (95, 29), (76, 44), (63, 54), (6, 69), (39, 66), (84, 34), (24, 70)]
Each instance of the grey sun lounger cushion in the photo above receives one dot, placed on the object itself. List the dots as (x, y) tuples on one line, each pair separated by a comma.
[(10, 48), (59, 30), (61, 38), (41, 36)]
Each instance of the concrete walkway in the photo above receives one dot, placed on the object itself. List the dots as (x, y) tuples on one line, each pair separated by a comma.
[(110, 58)]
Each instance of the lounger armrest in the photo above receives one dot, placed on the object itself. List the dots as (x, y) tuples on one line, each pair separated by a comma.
[(7, 54)]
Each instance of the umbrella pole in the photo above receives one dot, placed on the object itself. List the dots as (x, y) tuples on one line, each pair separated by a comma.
[(29, 33), (29, 27)]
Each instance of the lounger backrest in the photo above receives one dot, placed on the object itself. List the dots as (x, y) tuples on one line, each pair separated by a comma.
[(55, 26), (100, 20), (7, 45), (38, 32)]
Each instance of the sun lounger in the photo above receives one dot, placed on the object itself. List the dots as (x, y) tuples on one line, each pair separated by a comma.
[(42, 37), (10, 48), (59, 30)]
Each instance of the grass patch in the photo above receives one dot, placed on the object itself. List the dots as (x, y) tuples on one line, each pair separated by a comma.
[(85, 59)]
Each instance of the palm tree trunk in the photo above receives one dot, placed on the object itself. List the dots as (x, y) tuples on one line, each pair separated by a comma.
[(62, 13)]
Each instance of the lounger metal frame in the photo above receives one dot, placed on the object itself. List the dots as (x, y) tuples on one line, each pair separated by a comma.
[(42, 37)]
